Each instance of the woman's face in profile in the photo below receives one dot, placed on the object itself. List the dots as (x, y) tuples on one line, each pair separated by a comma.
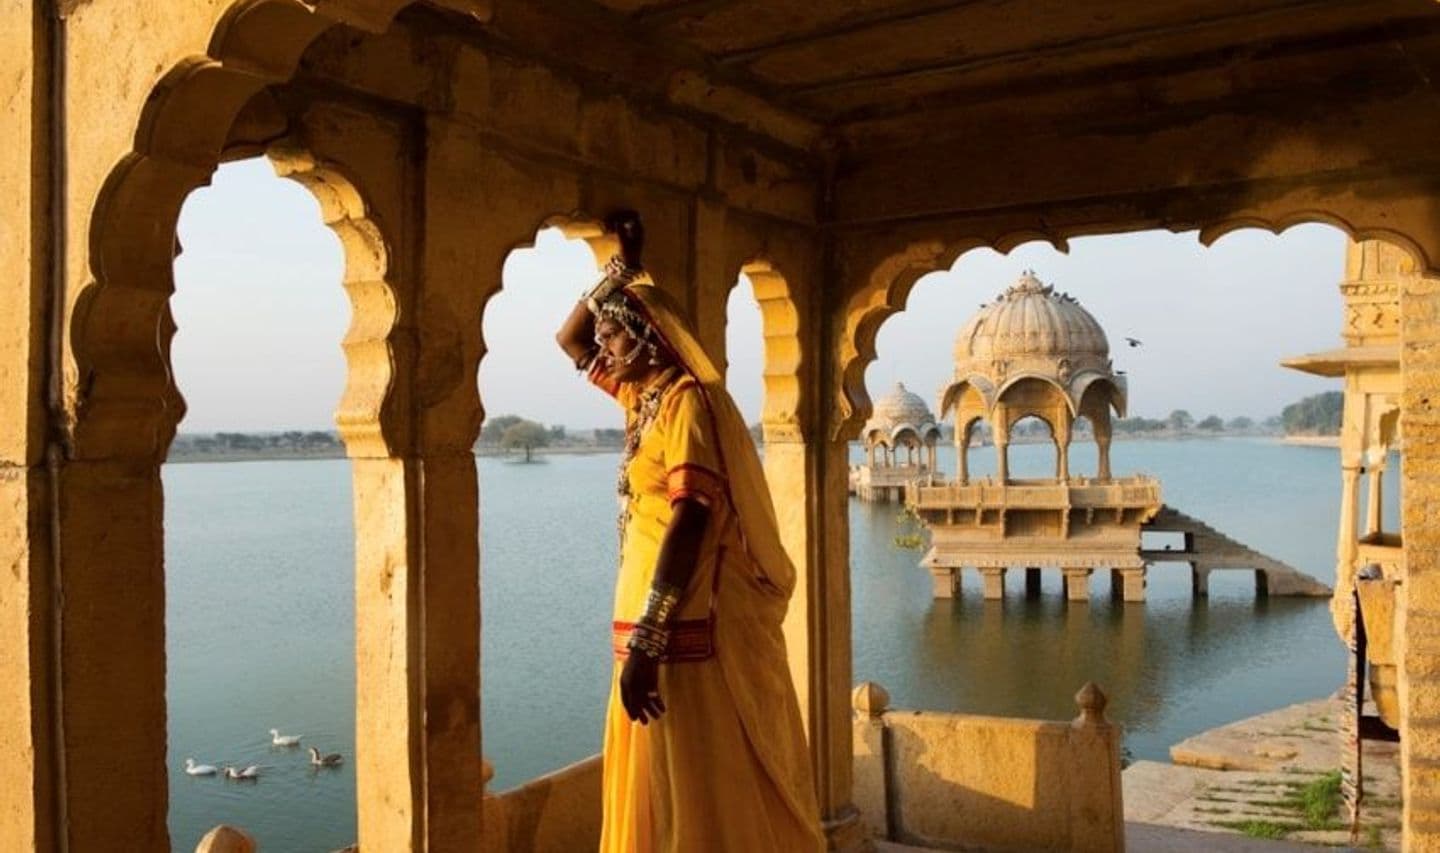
[(616, 345)]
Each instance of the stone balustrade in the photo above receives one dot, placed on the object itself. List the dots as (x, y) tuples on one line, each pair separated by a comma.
[(1127, 492), (966, 781), (555, 813)]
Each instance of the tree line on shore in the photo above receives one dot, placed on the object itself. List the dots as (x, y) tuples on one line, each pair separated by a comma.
[(1318, 414)]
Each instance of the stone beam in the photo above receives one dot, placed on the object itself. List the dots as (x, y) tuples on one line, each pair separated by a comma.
[(650, 64), (1224, 157)]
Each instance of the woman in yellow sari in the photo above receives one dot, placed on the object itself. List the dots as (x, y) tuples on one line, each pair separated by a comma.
[(703, 746)]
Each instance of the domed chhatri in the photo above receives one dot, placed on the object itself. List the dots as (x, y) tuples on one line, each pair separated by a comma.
[(902, 423), (1034, 352), (901, 412)]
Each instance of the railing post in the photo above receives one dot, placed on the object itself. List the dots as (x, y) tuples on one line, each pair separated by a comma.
[(1097, 814)]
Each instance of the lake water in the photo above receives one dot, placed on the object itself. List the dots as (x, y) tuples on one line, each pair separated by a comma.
[(261, 621)]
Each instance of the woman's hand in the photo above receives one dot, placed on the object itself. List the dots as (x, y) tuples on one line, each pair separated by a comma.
[(640, 688)]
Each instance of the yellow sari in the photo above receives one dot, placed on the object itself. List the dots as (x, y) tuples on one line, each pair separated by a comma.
[(726, 767)]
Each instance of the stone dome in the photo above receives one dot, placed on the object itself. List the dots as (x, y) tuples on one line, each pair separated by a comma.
[(900, 410), (1033, 332), (1031, 322)]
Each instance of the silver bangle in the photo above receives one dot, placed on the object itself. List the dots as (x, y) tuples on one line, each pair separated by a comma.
[(661, 604)]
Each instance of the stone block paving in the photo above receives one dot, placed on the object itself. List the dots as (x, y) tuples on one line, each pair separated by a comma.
[(1252, 777)]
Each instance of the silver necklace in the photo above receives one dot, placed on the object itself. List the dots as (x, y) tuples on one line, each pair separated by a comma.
[(645, 415)]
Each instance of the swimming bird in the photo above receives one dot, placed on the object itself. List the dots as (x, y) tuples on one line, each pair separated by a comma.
[(283, 740), (200, 769), (251, 772), (333, 759)]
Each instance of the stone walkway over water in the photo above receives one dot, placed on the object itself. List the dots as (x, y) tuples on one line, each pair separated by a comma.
[(1207, 549)]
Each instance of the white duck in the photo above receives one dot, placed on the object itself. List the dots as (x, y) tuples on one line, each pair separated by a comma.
[(250, 772), (333, 759), (283, 740), (200, 769)]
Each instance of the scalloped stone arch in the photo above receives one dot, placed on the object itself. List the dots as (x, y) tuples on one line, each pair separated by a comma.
[(574, 226), (887, 285), (780, 328), (887, 288), (124, 403)]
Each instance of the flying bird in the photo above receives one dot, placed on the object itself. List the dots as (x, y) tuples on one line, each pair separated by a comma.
[(1132, 342)]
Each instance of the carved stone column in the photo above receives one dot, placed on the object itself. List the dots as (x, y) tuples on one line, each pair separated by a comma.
[(1102, 442), (1134, 585), (945, 582), (1418, 608), (1077, 584), (1199, 582), (993, 578), (1346, 547), (1374, 502), (962, 455)]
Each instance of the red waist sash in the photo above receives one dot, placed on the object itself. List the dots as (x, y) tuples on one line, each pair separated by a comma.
[(691, 640)]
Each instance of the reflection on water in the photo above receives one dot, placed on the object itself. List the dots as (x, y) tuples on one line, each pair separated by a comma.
[(261, 621)]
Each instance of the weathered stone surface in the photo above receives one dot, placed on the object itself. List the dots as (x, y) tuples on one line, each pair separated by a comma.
[(928, 778), (759, 138)]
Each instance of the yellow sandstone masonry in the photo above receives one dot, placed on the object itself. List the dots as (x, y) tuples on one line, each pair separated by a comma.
[(834, 171)]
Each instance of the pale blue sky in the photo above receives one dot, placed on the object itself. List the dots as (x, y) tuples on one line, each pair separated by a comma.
[(261, 313)]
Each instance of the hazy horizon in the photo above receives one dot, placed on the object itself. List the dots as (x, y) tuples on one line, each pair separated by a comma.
[(260, 315)]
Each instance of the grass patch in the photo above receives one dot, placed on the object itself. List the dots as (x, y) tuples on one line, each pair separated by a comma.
[(1204, 810), (1269, 829), (1373, 839), (1320, 800)]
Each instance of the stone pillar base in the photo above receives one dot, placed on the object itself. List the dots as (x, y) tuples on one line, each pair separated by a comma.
[(994, 579), (1134, 585), (1077, 585), (946, 582), (1032, 583), (1200, 583)]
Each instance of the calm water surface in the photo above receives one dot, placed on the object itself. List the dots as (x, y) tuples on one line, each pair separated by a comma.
[(261, 621)]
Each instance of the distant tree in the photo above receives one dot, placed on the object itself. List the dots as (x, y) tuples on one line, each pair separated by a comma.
[(1180, 420), (557, 433), (1318, 414), (1241, 423), (606, 437), (1211, 424), (1274, 423), (526, 434), (494, 429)]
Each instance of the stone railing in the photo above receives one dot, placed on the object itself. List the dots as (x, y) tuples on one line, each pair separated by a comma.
[(959, 780), (1129, 492), (555, 813)]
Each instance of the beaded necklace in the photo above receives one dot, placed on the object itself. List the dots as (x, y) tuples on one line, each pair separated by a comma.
[(646, 412)]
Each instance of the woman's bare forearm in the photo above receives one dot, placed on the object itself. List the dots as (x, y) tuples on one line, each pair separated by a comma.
[(577, 334), (680, 549)]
